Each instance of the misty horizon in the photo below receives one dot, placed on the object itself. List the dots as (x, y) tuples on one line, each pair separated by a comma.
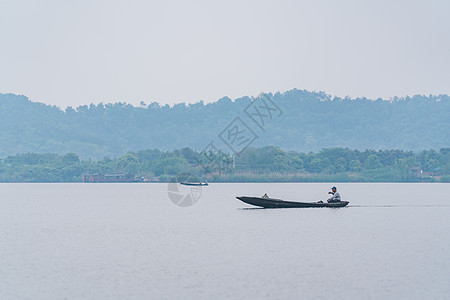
[(172, 104), (67, 54)]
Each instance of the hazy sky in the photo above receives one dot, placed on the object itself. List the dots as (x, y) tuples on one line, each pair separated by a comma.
[(78, 52)]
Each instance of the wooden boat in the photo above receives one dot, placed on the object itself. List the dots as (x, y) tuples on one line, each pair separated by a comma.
[(195, 183), (278, 203)]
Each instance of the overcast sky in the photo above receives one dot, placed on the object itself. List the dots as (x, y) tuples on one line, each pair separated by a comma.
[(78, 52)]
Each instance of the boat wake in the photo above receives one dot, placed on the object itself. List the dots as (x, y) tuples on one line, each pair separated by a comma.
[(395, 205)]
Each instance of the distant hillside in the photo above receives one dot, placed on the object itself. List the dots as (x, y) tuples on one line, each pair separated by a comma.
[(301, 121)]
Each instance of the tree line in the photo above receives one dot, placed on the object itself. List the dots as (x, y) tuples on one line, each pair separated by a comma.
[(309, 121), (263, 164)]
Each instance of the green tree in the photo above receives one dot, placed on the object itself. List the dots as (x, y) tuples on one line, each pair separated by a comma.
[(355, 165), (373, 162), (70, 159), (128, 163)]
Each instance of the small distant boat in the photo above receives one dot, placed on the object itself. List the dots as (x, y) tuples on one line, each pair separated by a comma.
[(195, 183), (278, 203)]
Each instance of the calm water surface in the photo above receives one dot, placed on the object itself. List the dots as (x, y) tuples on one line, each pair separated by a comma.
[(128, 241)]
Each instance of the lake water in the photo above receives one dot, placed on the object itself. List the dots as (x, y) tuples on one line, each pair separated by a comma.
[(129, 241)]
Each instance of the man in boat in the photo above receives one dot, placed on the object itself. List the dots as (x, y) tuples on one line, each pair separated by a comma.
[(336, 196)]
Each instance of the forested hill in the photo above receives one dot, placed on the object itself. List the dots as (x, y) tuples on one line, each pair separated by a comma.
[(295, 120)]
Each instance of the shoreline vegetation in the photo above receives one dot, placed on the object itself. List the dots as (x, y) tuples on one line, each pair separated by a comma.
[(266, 164)]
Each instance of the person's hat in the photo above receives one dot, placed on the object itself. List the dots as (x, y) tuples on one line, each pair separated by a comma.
[(334, 187)]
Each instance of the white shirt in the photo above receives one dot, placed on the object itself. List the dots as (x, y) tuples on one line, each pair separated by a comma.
[(336, 197)]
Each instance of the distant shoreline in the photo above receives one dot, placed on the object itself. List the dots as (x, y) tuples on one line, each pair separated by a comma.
[(264, 165)]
